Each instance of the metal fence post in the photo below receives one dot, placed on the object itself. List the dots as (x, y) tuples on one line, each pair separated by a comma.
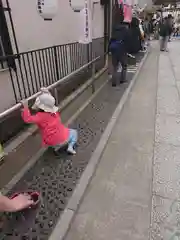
[(68, 59), (56, 73), (56, 63), (88, 52), (93, 77), (56, 96)]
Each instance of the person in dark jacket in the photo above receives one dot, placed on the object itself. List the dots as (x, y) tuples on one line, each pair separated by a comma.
[(135, 34), (170, 24), (147, 29), (164, 32), (118, 47)]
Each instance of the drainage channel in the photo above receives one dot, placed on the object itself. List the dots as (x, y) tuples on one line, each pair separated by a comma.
[(56, 177)]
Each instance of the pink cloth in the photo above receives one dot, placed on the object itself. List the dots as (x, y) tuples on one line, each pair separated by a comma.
[(52, 131), (127, 13), (127, 8)]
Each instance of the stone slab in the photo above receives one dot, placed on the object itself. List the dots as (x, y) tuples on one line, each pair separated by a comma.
[(168, 100), (168, 129), (166, 171), (165, 219), (111, 220)]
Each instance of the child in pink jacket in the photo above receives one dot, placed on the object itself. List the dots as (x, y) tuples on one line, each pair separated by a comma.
[(52, 130)]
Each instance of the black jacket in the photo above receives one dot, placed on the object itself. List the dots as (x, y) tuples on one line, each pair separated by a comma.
[(121, 33), (135, 44), (135, 36), (164, 29)]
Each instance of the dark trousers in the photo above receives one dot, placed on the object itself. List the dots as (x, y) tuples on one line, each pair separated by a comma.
[(163, 43), (119, 76)]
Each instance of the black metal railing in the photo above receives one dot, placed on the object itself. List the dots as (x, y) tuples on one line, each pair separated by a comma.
[(3, 64), (31, 70)]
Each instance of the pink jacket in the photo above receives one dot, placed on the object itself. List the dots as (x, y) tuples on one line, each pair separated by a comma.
[(52, 131)]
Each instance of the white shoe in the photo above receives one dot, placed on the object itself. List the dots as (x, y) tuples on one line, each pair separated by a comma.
[(130, 55), (71, 150)]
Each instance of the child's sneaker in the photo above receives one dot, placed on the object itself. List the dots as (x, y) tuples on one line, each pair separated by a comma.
[(71, 150)]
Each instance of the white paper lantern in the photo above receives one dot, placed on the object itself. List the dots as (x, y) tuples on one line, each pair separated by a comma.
[(47, 9), (77, 5)]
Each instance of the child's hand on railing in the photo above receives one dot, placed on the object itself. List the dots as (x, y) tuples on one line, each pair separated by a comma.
[(24, 103), (44, 90)]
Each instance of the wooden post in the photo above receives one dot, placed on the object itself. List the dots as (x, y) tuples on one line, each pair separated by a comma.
[(1, 153)]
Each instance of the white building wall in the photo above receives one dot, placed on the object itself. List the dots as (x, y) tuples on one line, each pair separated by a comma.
[(32, 32)]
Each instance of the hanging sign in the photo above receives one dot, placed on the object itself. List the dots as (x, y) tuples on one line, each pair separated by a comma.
[(127, 13), (77, 5), (127, 9), (47, 9), (86, 24)]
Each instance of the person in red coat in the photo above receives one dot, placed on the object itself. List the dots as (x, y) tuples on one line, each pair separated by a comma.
[(53, 132)]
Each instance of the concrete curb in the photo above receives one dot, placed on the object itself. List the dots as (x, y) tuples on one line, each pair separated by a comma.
[(62, 227)]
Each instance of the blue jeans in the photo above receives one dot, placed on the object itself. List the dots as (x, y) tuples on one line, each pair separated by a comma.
[(72, 140), (73, 137)]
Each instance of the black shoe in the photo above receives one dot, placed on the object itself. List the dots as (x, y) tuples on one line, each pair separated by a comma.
[(113, 85), (57, 153), (60, 151)]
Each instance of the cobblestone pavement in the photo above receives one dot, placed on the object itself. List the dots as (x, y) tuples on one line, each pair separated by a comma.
[(135, 192)]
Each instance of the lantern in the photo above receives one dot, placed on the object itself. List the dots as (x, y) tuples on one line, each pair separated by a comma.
[(77, 5), (47, 9)]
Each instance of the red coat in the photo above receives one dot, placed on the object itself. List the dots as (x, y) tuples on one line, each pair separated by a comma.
[(53, 132)]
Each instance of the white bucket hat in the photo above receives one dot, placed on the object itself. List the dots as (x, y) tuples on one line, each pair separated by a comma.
[(46, 102)]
